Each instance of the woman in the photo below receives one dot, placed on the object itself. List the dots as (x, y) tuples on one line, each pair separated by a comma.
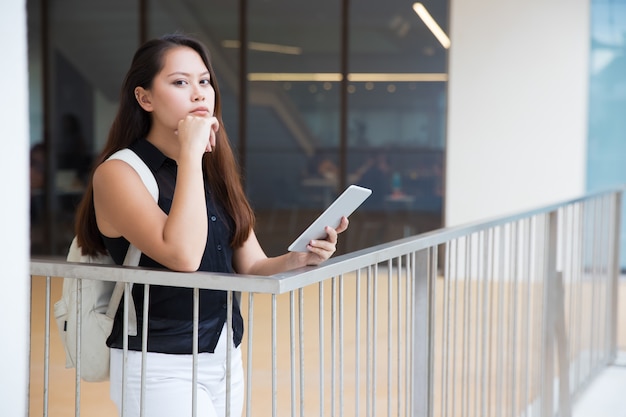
[(170, 115)]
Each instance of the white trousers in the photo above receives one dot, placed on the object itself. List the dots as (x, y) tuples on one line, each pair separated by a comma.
[(169, 383)]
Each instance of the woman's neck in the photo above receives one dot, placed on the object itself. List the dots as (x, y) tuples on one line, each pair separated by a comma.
[(164, 140)]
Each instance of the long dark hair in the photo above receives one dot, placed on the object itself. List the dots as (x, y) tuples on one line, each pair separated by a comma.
[(132, 123)]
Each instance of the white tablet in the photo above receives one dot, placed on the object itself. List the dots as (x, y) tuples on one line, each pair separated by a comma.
[(344, 205)]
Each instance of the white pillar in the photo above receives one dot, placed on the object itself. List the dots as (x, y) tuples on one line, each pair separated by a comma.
[(14, 217), (517, 110)]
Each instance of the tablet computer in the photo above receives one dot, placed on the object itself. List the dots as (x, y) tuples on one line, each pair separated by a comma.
[(344, 205)]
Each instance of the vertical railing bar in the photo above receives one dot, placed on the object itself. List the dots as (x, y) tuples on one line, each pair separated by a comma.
[(514, 276), (541, 226), (229, 350), (570, 278), (374, 335), (492, 332), (500, 330), (600, 265), (292, 350), (601, 283), (368, 344), (321, 345), (454, 322), (606, 239), (432, 326), (597, 282), (249, 354), (46, 354), (333, 344), (582, 252), (608, 275), (301, 333), (577, 287), (341, 342), (389, 334), (412, 330), (399, 348), (594, 277), (127, 297), (445, 330), (548, 325), (274, 358), (585, 281), (526, 330), (615, 270), (357, 353), (465, 349), (480, 280), (79, 327), (407, 332), (144, 348), (477, 260), (194, 375), (487, 288)]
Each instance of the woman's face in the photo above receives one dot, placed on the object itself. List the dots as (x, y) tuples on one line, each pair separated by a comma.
[(181, 88)]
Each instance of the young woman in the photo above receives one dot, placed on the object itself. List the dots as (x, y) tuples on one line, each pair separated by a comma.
[(170, 115)]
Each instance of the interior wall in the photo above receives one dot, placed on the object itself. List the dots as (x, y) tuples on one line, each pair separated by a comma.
[(14, 245), (517, 106)]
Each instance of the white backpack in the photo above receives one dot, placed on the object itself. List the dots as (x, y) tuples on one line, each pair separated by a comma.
[(100, 299)]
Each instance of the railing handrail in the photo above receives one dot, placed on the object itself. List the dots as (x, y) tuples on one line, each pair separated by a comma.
[(298, 278)]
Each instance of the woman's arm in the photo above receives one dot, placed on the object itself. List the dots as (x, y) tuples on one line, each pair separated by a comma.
[(250, 259), (124, 206)]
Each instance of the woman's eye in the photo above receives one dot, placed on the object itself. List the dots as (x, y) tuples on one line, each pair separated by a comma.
[(180, 82), (205, 82)]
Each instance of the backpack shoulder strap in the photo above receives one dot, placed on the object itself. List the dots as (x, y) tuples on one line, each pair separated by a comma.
[(133, 255), (132, 159)]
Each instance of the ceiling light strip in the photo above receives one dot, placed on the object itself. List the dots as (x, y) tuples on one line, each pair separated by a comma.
[(264, 47), (432, 24), (353, 77)]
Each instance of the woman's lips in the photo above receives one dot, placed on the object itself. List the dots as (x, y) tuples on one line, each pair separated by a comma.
[(200, 111)]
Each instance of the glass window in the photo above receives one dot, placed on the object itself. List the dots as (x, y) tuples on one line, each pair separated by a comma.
[(293, 106), (299, 114), (88, 48), (607, 100), (396, 118)]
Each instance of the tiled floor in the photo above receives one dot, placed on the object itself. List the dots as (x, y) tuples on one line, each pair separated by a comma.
[(606, 396)]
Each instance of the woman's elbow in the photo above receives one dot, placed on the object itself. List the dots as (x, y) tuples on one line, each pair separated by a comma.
[(185, 263)]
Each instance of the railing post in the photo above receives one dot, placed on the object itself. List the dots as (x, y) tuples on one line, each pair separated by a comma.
[(547, 345), (614, 264), (554, 329), (424, 273)]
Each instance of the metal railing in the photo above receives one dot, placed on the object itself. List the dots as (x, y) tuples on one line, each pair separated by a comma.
[(507, 317)]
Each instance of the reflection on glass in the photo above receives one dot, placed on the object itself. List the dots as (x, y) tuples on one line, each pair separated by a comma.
[(396, 116), (607, 100), (293, 123), (395, 107)]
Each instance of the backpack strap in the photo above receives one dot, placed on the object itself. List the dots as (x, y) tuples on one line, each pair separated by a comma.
[(133, 255)]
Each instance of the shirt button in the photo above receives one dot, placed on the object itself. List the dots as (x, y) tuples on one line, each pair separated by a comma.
[(213, 218), (219, 247)]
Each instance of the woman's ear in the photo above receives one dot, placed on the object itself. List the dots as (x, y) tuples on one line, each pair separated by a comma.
[(143, 98)]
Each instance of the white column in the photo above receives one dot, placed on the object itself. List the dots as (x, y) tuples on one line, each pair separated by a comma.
[(14, 218), (517, 111)]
